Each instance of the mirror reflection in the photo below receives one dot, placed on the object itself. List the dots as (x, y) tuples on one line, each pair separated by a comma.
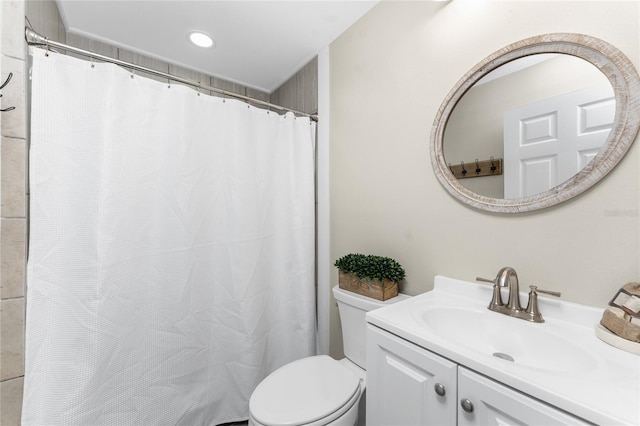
[(546, 115)]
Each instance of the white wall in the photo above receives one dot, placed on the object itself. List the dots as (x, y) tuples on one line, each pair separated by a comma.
[(389, 74)]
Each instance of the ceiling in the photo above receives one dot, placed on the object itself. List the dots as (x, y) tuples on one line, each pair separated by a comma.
[(259, 44)]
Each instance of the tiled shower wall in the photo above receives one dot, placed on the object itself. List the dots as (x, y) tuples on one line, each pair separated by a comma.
[(13, 212), (300, 93)]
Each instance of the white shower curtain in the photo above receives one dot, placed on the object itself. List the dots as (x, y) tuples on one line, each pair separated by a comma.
[(171, 253)]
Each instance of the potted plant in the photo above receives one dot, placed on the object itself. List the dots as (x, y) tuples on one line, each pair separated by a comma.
[(372, 276)]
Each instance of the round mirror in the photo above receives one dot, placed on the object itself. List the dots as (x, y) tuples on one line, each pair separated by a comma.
[(536, 123)]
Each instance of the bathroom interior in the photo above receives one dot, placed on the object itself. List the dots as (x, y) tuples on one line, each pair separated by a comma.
[(377, 89)]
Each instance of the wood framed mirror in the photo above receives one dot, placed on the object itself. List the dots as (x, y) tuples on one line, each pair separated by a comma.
[(558, 110)]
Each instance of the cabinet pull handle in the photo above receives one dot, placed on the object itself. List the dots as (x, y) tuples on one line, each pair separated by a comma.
[(466, 405), (440, 389)]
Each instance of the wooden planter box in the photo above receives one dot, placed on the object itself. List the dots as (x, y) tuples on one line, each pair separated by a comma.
[(381, 290)]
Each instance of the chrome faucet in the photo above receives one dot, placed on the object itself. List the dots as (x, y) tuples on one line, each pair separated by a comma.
[(507, 277)]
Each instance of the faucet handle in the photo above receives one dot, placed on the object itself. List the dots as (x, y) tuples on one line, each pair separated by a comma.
[(533, 311), (549, 292), (496, 299)]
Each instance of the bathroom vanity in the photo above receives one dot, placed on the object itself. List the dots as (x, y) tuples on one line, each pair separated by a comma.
[(443, 358)]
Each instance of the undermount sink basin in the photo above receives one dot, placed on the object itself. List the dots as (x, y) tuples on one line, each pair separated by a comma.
[(532, 345)]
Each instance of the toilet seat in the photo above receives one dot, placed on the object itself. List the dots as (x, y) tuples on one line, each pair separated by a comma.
[(313, 390)]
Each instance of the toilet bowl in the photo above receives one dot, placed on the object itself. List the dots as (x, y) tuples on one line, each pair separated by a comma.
[(315, 390), (320, 390)]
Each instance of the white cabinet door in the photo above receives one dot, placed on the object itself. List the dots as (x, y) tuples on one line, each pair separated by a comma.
[(496, 404), (402, 380)]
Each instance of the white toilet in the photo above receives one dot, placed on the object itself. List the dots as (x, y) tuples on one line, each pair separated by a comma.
[(319, 390)]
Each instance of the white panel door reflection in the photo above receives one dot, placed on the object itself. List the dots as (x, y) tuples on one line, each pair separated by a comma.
[(549, 141)]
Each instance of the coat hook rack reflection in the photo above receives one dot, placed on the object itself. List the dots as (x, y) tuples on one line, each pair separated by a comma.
[(2, 87), (477, 168)]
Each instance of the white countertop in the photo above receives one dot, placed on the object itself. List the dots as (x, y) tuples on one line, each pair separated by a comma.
[(606, 391)]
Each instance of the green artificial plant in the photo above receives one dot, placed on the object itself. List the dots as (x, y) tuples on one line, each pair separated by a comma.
[(371, 267)]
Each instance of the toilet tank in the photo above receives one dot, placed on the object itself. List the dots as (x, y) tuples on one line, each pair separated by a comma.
[(353, 308)]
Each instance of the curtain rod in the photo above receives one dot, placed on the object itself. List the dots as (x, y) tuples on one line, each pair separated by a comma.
[(33, 38)]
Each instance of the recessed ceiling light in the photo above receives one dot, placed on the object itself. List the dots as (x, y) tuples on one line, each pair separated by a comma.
[(201, 39)]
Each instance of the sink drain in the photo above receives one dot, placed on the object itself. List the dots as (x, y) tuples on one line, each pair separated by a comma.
[(503, 356)]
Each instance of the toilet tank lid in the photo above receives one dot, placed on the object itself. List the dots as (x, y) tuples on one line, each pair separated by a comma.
[(363, 302), (304, 391)]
